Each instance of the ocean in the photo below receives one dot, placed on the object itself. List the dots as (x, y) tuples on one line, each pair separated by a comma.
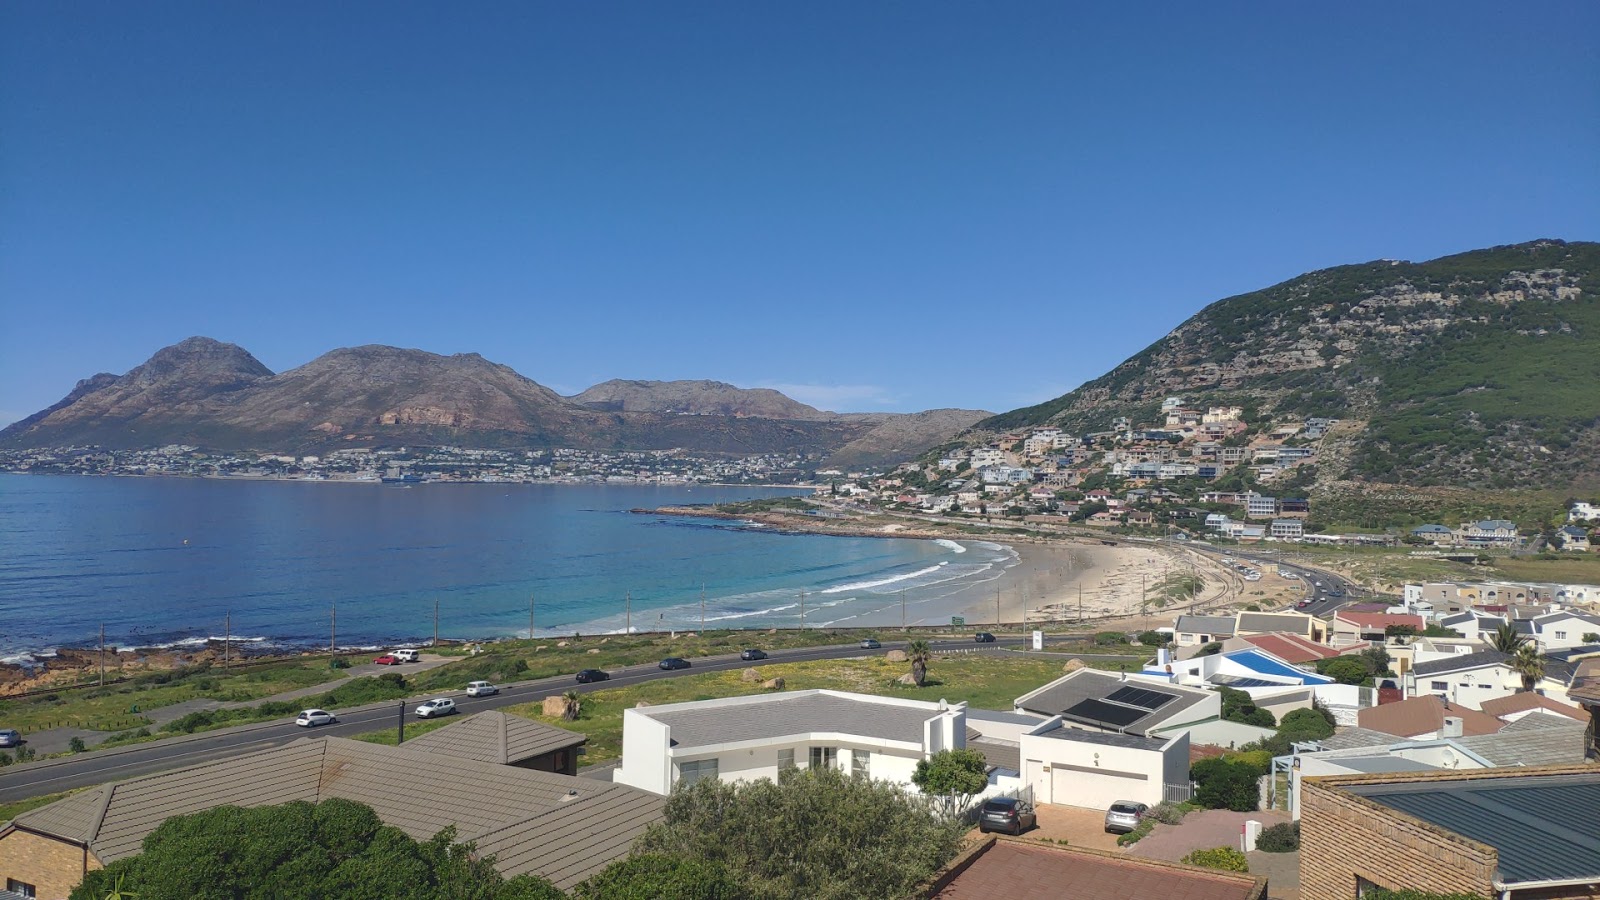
[(169, 561)]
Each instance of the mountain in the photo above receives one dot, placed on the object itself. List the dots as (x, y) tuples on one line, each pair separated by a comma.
[(1473, 370), (904, 436), (695, 398), (209, 394)]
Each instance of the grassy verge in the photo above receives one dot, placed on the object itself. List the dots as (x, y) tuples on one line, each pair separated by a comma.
[(390, 736), (9, 811)]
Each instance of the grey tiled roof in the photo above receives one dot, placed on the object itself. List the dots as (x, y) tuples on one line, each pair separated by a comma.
[(994, 715), (497, 737), (1537, 739), (1511, 814), (999, 754), (1458, 663), (1105, 738), (1351, 738), (572, 826), (1088, 684), (1264, 623), (1204, 625), (781, 715)]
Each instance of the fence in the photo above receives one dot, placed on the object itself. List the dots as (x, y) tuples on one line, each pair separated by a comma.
[(1176, 793)]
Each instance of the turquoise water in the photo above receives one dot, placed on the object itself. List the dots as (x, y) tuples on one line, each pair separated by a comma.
[(163, 561)]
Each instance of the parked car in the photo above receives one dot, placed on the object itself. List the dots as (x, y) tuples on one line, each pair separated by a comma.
[(406, 656), (438, 706), (10, 737), (983, 637), (1006, 814), (1124, 816), (311, 718), (589, 675), (388, 659), (870, 644), (752, 653), (481, 689), (674, 662)]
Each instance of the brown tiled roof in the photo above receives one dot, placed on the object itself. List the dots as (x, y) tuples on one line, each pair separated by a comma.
[(1423, 715), (497, 737), (1515, 703), (1377, 620), (1291, 648), (557, 826), (1586, 683), (1020, 870)]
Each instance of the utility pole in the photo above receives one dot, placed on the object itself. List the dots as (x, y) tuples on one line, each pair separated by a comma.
[(702, 607), (997, 609), (102, 654), (802, 610), (400, 721), (627, 612), (435, 624), (530, 616), (333, 626), (902, 609), (227, 636), (1080, 602)]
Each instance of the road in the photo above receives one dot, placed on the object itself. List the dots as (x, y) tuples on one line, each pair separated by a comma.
[(67, 773), (1328, 591)]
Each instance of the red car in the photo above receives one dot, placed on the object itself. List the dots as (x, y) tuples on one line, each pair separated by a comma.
[(387, 660)]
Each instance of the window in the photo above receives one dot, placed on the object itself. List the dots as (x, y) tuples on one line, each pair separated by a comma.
[(690, 772), (1441, 685), (1365, 887), (786, 759), (21, 887), (1561, 635), (861, 763), (824, 757)]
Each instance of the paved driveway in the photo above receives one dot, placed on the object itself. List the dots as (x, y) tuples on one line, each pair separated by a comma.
[(1073, 825), (1201, 830)]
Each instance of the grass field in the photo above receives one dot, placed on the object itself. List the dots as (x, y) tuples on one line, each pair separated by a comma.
[(1385, 568), (1571, 568)]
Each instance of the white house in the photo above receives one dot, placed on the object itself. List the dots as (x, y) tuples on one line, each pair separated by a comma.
[(745, 738), (1565, 630), (1470, 679), (1069, 766), (1123, 704), (1584, 512)]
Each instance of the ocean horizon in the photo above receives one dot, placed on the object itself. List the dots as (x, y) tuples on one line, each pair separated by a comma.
[(167, 562)]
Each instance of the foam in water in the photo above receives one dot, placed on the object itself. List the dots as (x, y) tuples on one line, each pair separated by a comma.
[(952, 546)]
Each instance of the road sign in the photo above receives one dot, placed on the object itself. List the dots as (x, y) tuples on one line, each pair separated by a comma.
[(957, 621), (1038, 640)]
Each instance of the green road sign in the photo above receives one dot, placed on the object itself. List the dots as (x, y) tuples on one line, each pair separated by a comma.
[(957, 621)]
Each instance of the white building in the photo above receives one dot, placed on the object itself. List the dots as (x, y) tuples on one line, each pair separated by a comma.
[(1288, 529), (1583, 512), (745, 738), (1471, 678), (1069, 766), (1259, 507), (989, 456)]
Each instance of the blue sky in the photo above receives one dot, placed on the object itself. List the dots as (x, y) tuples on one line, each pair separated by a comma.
[(871, 206)]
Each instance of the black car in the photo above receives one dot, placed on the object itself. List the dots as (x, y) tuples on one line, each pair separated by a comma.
[(1006, 814), (983, 637), (673, 662), (591, 675), (752, 653)]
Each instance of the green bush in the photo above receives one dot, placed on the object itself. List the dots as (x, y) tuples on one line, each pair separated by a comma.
[(76, 745), (337, 663), (655, 876), (1305, 725), (5, 759), (1225, 858), (1153, 639), (1110, 638), (1283, 837), (1224, 783), (192, 722), (1261, 718)]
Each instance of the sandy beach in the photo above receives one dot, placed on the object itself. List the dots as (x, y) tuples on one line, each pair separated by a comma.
[(1067, 581)]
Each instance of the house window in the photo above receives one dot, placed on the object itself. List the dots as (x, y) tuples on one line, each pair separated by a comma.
[(1365, 887), (21, 887), (690, 772), (861, 763), (1561, 635), (786, 759), (824, 757), (1441, 685)]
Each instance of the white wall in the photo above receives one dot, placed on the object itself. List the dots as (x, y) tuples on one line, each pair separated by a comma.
[(646, 761), (1094, 776), (1218, 732)]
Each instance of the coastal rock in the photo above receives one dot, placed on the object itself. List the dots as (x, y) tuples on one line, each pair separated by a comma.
[(554, 706), (593, 651), (641, 704), (561, 643), (541, 647), (1074, 665), (895, 656), (750, 675), (774, 684), (906, 679), (772, 631)]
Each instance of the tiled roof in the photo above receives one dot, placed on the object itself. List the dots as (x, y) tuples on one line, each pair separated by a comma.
[(557, 826), (776, 715), (1103, 738), (1018, 870), (1539, 739), (1258, 622), (1291, 647), (1087, 684), (1213, 625), (1352, 738), (998, 754), (1460, 662), (1585, 685), (1501, 707), (1509, 813), (1424, 715), (1378, 620), (497, 737)]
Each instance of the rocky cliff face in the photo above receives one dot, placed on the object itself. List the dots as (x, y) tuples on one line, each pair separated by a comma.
[(1469, 369), (903, 437), (695, 398)]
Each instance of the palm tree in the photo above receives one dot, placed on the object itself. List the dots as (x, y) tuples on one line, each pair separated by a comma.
[(919, 652), (571, 705), (1506, 638), (1529, 664)]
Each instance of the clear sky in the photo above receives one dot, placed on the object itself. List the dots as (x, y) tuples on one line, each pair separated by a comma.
[(869, 205)]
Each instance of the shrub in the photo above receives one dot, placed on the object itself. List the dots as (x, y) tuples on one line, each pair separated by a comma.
[(337, 663), (518, 667), (1225, 858), (1153, 639), (1283, 837), (1262, 718), (192, 722), (1305, 725), (76, 745), (1168, 813), (1110, 638), (1224, 783), (5, 759), (654, 876)]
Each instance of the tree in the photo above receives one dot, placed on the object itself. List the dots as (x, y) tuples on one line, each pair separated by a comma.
[(1302, 725), (1346, 670), (1527, 663), (1226, 783), (815, 832), (571, 706), (1591, 637), (336, 849), (655, 876), (918, 653), (1153, 638), (954, 777), (1506, 638)]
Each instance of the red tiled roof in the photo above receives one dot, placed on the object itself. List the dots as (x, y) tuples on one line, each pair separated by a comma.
[(1017, 870), (1424, 715), (1291, 648), (1376, 621), (1515, 703)]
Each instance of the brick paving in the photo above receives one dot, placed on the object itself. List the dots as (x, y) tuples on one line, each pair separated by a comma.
[(1201, 830)]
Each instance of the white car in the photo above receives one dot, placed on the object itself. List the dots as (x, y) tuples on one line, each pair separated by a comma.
[(438, 706), (481, 689), (311, 718)]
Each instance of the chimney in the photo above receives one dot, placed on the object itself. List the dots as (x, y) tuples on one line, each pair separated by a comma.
[(1163, 657), (1452, 727)]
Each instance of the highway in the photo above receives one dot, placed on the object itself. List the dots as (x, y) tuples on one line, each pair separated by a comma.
[(1328, 592), (20, 782)]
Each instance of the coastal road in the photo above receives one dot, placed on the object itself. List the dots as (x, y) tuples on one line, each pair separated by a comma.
[(97, 767), (1328, 591)]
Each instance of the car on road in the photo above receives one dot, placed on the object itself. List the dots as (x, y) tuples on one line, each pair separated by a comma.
[(870, 644), (1006, 814), (983, 637), (750, 653), (10, 737), (388, 659), (588, 676), (674, 662), (1124, 816), (311, 718), (481, 689), (438, 706), (406, 656)]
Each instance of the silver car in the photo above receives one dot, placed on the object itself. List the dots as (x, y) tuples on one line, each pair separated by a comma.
[(1124, 816), (10, 737)]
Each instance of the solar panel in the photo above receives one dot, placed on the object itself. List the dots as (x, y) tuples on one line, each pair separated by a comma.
[(1099, 712), (1140, 697)]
